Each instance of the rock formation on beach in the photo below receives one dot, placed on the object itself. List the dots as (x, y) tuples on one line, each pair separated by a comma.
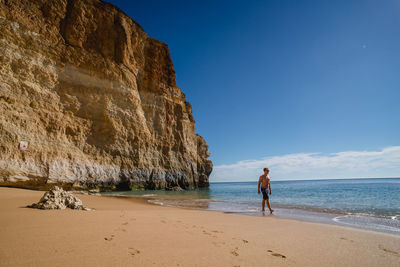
[(58, 199), (89, 100)]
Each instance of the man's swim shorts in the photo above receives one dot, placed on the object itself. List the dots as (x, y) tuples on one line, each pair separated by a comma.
[(264, 192)]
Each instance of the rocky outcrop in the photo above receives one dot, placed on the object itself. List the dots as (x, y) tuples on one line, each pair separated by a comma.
[(94, 98), (58, 199)]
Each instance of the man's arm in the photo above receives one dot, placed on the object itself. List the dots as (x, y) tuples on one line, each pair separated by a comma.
[(269, 186), (259, 182)]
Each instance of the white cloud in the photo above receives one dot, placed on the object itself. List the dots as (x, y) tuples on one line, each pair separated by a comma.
[(348, 164)]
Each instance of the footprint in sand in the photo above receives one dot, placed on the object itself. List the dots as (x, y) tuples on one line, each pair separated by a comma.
[(389, 251), (234, 252), (276, 254), (206, 233), (125, 223), (163, 221), (133, 251), (109, 238)]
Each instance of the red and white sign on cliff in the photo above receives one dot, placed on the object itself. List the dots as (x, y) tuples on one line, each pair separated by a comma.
[(23, 145)]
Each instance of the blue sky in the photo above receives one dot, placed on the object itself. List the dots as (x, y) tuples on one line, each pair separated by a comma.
[(273, 79)]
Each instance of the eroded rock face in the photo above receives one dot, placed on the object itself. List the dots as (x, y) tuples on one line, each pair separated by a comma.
[(95, 98), (58, 199)]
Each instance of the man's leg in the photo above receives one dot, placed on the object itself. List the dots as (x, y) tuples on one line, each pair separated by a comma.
[(269, 207), (263, 205)]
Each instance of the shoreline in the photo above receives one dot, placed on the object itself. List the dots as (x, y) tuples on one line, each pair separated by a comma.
[(327, 218), (124, 231), (351, 220)]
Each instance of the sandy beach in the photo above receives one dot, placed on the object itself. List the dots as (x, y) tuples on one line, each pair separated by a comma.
[(126, 232)]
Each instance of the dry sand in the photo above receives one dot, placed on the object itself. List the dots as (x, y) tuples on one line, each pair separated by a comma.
[(125, 232)]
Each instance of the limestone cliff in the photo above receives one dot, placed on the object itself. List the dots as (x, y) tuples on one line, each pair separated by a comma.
[(95, 98)]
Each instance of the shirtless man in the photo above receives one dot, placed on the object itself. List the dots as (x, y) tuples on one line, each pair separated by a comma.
[(264, 181)]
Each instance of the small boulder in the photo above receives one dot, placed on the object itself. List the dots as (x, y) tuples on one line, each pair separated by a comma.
[(57, 198)]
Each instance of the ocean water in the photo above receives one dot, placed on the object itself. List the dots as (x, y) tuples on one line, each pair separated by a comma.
[(372, 204)]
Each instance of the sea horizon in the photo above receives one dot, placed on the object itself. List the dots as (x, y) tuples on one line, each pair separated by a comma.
[(308, 179)]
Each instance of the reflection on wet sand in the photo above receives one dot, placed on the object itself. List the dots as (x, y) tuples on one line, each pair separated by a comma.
[(183, 203), (193, 199)]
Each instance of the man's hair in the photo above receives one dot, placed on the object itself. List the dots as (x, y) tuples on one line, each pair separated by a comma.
[(266, 169)]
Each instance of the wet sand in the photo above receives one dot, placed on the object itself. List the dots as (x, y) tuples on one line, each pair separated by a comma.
[(128, 232)]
